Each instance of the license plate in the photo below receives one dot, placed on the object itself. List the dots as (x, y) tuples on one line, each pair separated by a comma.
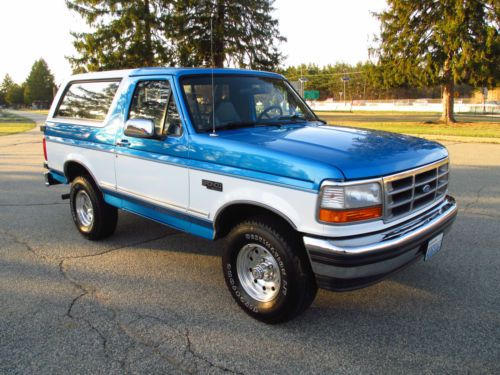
[(434, 246)]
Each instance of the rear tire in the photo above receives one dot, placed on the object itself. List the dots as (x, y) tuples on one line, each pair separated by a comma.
[(267, 270), (94, 218)]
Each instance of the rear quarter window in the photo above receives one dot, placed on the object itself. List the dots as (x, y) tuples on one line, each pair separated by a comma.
[(87, 100)]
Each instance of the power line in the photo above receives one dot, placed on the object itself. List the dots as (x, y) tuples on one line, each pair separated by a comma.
[(328, 74)]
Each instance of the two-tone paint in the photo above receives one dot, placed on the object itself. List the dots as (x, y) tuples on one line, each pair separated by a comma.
[(278, 168)]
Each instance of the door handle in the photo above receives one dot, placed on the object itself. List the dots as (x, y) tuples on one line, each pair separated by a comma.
[(123, 143)]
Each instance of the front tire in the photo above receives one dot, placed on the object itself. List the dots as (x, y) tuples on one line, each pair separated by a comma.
[(267, 271), (93, 217)]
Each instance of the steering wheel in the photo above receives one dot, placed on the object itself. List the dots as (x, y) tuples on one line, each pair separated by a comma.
[(266, 111)]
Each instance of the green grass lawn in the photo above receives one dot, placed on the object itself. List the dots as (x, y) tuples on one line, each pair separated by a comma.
[(41, 111), (417, 123), (11, 124)]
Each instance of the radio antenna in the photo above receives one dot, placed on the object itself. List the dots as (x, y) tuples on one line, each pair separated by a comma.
[(213, 134)]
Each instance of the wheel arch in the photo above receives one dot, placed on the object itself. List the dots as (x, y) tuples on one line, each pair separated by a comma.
[(235, 212), (74, 168)]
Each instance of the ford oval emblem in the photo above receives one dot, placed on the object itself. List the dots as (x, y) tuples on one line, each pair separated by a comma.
[(426, 188)]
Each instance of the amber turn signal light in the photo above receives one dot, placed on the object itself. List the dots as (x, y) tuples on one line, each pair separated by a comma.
[(347, 216)]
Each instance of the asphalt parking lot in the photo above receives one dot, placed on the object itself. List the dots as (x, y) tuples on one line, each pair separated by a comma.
[(153, 300)]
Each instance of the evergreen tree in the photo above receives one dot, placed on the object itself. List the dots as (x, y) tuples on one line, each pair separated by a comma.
[(7, 83), (15, 95), (125, 34), (243, 33), (39, 84), (128, 34), (444, 42)]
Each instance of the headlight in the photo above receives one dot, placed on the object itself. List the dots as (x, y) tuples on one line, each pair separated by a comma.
[(342, 204)]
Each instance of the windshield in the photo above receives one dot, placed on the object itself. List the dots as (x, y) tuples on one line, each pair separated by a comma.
[(242, 101)]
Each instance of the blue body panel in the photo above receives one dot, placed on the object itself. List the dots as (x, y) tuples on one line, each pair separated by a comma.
[(315, 152), (175, 219)]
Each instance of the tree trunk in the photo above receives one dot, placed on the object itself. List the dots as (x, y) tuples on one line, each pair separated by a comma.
[(218, 48), (448, 90), (148, 53), (447, 116)]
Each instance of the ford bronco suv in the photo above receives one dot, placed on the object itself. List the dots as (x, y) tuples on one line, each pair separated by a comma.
[(237, 154)]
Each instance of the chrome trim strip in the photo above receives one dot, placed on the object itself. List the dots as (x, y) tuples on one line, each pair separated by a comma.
[(162, 203), (414, 171), (329, 246), (165, 204), (203, 213), (107, 185)]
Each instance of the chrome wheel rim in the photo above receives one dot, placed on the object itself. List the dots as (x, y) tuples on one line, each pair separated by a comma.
[(84, 209), (258, 272)]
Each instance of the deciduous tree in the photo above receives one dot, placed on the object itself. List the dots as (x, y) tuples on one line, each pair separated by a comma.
[(445, 42)]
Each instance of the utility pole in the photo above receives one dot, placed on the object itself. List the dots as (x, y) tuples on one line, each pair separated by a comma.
[(345, 79)]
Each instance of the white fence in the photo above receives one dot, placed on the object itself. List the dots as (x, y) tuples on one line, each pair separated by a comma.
[(419, 105)]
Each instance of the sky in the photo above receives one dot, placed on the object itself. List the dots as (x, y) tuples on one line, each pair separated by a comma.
[(318, 31)]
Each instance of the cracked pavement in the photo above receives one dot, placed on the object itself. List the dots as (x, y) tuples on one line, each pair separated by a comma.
[(153, 300)]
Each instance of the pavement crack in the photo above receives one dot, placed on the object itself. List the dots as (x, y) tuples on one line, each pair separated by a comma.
[(28, 247), (142, 242), (476, 200), (172, 360), (89, 291), (190, 350), (84, 290)]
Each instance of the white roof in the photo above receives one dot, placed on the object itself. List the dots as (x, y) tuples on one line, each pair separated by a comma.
[(102, 75)]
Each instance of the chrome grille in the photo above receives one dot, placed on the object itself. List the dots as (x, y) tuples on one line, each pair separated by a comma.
[(413, 190)]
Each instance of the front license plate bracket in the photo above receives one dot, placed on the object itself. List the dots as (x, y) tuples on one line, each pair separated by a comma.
[(433, 246)]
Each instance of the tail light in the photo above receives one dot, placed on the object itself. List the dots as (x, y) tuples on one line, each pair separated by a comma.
[(44, 149)]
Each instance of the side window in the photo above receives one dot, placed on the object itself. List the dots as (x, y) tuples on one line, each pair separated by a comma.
[(87, 100), (173, 125), (152, 100)]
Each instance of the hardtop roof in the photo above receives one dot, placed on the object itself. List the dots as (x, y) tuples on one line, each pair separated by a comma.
[(169, 71)]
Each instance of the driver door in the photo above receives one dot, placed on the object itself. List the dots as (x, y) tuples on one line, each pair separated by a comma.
[(151, 173)]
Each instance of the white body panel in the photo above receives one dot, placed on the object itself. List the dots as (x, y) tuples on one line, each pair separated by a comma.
[(100, 164), (165, 184), (295, 205)]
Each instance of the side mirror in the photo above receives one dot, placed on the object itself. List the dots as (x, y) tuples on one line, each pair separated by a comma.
[(140, 128)]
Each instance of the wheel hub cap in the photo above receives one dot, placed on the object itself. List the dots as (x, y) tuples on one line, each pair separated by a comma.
[(258, 272), (84, 208), (263, 271)]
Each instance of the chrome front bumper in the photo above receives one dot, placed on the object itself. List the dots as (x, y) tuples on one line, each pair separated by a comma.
[(355, 262)]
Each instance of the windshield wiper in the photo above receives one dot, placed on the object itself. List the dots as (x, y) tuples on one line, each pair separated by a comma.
[(244, 124), (235, 125), (293, 118)]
